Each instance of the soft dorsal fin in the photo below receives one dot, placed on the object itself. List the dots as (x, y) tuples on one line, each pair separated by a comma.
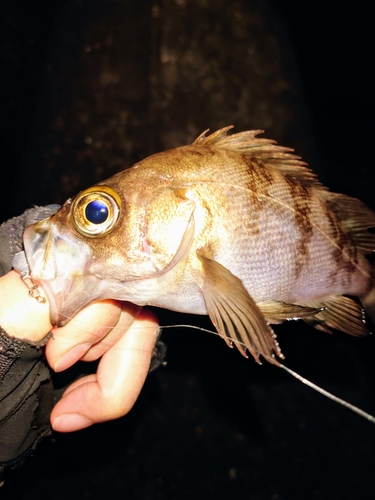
[(356, 218), (265, 150)]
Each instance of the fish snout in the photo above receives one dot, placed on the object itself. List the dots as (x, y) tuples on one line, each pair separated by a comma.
[(57, 262)]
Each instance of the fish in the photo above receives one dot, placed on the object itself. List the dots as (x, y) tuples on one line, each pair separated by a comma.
[(233, 226)]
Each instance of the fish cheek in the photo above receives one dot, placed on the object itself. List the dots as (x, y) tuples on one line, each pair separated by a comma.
[(152, 235), (113, 255), (106, 258)]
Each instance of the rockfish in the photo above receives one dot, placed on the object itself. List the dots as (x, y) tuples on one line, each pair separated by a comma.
[(233, 226)]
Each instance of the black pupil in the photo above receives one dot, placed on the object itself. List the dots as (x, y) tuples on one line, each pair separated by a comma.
[(96, 212)]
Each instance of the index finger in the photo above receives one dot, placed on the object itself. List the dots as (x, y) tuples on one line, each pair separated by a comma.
[(70, 342)]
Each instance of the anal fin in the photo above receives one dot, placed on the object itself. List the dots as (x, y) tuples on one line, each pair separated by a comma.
[(341, 313)]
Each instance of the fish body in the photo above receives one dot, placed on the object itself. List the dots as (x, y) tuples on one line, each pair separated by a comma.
[(232, 226)]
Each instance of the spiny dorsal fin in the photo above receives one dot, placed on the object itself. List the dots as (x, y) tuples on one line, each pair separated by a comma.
[(265, 150)]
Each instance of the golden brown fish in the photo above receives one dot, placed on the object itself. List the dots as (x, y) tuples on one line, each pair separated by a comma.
[(232, 226)]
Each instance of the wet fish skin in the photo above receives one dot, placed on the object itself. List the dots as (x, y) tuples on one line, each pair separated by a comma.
[(232, 226)]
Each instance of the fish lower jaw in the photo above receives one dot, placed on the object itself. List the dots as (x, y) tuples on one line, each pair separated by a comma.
[(54, 307)]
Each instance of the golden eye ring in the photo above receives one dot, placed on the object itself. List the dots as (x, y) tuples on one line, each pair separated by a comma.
[(95, 211)]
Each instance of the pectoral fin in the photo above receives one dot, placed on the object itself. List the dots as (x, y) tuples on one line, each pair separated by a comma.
[(276, 312), (234, 313)]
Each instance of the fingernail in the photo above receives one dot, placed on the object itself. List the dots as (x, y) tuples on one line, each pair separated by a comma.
[(69, 358), (70, 422)]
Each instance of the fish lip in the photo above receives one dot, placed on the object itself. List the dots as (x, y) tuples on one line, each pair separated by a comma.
[(56, 261), (33, 256), (55, 318)]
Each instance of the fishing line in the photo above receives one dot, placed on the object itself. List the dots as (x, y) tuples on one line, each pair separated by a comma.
[(329, 395), (291, 372), (299, 377)]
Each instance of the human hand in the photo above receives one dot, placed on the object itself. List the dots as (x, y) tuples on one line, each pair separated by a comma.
[(124, 338), (122, 335), (22, 316)]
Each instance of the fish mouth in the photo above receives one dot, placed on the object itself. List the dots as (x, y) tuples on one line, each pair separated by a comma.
[(57, 263)]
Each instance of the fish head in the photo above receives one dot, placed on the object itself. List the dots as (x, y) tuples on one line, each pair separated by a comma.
[(107, 242)]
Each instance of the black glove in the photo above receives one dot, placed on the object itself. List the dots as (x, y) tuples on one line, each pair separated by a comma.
[(11, 233), (26, 389)]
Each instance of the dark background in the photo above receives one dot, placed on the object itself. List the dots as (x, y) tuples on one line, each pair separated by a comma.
[(91, 86)]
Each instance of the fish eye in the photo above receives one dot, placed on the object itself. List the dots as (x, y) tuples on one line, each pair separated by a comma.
[(95, 211)]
